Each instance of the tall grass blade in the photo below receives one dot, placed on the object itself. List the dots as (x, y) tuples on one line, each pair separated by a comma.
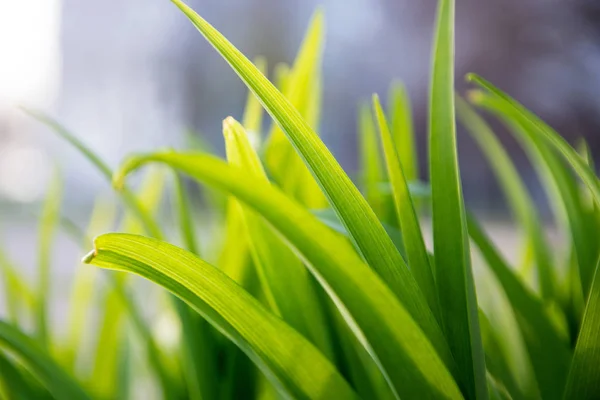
[(521, 203), (57, 381), (549, 354), (16, 385), (360, 220), (451, 246), (288, 289), (563, 191), (584, 376), (416, 252), (303, 90), (535, 125), (372, 170), (412, 364), (82, 292), (292, 364), (47, 229), (401, 125), (19, 294), (253, 111)]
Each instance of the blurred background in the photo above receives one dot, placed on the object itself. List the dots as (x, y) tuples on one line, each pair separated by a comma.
[(135, 75)]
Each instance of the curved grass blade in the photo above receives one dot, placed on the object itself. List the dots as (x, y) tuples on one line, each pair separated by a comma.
[(16, 385), (516, 193), (372, 172), (495, 359), (17, 291), (291, 362), (58, 382), (117, 304), (535, 125), (401, 125), (288, 289), (149, 224), (185, 216), (414, 365), (103, 216), (454, 276), (584, 376), (562, 189), (355, 213), (48, 222), (416, 252), (549, 354), (200, 347), (253, 111), (303, 90)]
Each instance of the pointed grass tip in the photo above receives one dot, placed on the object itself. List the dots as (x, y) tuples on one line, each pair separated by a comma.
[(87, 259)]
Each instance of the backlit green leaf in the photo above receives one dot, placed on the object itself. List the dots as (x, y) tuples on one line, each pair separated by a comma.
[(450, 241), (291, 362), (359, 219), (392, 337)]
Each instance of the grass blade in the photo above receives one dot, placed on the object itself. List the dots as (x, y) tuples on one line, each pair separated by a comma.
[(400, 115), (451, 247), (584, 376), (48, 223), (289, 290), (102, 219), (416, 252), (302, 87), (521, 204), (412, 364), (372, 172), (549, 354), (570, 207), (292, 364), (535, 125), (58, 382), (359, 219), (17, 291), (253, 111), (16, 385)]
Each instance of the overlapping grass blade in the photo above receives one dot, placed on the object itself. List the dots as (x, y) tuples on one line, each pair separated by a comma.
[(549, 353), (102, 220), (302, 87), (561, 187), (57, 381), (359, 219), (372, 170), (117, 304), (451, 246), (18, 292), (288, 289), (521, 203), (253, 111), (584, 376), (536, 126), (291, 362), (47, 229), (199, 347), (414, 365), (15, 384), (416, 252), (495, 359), (401, 125)]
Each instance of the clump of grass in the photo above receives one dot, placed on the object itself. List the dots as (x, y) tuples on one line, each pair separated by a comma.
[(314, 290)]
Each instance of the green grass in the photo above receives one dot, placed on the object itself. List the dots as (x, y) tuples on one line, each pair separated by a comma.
[(306, 284)]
